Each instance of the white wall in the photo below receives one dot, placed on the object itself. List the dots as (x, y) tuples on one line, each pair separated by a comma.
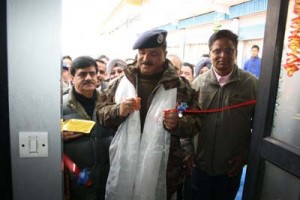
[(34, 94)]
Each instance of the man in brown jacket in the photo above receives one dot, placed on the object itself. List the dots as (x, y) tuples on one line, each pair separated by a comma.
[(150, 167)]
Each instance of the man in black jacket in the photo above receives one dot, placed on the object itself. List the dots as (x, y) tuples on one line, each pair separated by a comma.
[(87, 151)]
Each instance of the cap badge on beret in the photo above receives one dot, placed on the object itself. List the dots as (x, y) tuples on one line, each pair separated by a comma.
[(160, 38)]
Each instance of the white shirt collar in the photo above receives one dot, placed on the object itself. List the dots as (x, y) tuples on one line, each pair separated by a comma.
[(222, 79)]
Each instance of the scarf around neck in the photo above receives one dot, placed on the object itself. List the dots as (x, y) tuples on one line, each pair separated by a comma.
[(139, 161)]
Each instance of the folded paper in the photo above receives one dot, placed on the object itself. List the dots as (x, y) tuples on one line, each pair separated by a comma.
[(78, 125)]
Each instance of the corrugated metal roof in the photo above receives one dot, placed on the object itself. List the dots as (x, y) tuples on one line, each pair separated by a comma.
[(235, 11), (252, 32), (248, 8)]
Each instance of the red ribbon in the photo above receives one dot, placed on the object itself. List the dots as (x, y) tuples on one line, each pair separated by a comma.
[(250, 102), (74, 168), (71, 165)]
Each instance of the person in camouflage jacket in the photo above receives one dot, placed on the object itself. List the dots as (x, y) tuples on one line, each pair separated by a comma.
[(147, 74)]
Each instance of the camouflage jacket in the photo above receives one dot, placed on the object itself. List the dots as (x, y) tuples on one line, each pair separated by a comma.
[(108, 111)]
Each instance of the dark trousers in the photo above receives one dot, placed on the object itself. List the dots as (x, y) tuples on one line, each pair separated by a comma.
[(221, 187)]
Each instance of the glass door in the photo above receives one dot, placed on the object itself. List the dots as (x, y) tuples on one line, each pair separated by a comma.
[(274, 157)]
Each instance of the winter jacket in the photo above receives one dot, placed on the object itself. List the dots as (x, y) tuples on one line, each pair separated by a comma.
[(224, 134), (88, 151)]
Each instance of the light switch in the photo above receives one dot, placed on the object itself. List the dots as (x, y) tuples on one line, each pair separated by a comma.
[(33, 144)]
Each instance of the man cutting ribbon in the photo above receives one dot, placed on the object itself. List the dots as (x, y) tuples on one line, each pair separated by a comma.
[(145, 163)]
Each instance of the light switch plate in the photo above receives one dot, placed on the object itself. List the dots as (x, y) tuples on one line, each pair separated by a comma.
[(33, 144)]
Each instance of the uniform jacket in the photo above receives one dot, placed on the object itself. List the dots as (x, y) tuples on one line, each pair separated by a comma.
[(225, 134), (88, 151), (108, 115)]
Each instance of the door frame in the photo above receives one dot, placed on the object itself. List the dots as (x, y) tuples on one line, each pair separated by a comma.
[(5, 166), (263, 147)]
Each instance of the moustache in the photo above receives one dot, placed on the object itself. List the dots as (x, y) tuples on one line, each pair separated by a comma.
[(147, 63), (88, 82)]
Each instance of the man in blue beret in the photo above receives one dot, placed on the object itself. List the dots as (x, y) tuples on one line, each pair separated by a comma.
[(145, 155)]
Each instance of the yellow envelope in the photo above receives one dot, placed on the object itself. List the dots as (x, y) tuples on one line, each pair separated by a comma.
[(78, 125)]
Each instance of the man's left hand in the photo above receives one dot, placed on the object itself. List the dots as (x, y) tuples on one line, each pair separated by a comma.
[(170, 119)]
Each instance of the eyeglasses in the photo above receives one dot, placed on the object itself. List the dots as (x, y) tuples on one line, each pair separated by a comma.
[(119, 71), (101, 71), (84, 74), (225, 50)]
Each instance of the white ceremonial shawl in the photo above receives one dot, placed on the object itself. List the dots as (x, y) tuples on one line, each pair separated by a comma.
[(139, 161)]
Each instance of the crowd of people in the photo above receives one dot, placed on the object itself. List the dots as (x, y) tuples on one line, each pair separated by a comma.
[(164, 129)]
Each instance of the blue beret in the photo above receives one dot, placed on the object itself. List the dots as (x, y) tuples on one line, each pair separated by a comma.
[(151, 39)]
